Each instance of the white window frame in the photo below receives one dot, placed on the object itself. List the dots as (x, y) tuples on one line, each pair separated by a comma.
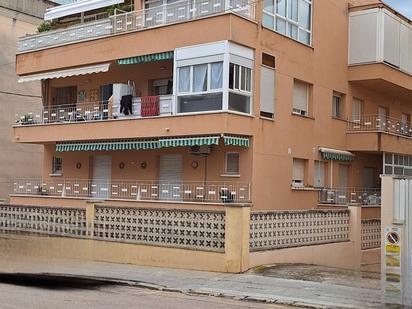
[(296, 183), (238, 163), (322, 175), (239, 90), (288, 21), (301, 112), (339, 110)]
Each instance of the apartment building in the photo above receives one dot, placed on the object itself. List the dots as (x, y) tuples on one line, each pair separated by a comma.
[(17, 18), (282, 105)]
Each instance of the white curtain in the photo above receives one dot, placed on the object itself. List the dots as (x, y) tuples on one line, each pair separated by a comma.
[(184, 79), (200, 78), (216, 75)]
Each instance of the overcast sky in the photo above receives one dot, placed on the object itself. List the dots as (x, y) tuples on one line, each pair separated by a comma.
[(402, 6)]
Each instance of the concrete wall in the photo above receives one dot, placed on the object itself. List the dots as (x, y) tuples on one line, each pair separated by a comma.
[(16, 160)]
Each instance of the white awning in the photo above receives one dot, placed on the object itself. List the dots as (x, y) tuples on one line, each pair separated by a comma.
[(66, 73), (78, 7)]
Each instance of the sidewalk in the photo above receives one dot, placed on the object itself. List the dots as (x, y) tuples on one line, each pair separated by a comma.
[(250, 286)]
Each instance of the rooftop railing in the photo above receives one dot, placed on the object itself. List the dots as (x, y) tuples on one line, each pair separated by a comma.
[(348, 196), (170, 13), (155, 190), (379, 123)]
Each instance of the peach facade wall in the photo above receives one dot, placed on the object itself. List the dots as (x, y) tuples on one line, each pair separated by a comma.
[(275, 143)]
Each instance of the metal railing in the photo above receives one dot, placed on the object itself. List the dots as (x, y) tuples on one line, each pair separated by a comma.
[(175, 12), (379, 123), (347, 196), (87, 111), (188, 191)]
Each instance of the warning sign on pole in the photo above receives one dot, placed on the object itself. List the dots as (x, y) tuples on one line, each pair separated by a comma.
[(393, 265)]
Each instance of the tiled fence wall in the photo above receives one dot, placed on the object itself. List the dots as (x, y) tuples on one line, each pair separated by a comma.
[(161, 227), (54, 221), (286, 229), (371, 234)]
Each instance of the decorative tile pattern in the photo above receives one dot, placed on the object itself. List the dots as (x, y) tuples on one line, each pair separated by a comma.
[(371, 234), (52, 221), (286, 229), (161, 227)]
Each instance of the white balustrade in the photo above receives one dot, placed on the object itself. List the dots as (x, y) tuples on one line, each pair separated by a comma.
[(346, 196)]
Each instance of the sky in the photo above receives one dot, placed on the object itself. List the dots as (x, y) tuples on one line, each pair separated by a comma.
[(402, 6)]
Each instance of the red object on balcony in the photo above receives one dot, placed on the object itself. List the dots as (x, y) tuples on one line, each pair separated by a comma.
[(150, 106)]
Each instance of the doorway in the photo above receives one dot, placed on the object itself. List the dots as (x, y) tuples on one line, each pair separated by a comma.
[(170, 177), (102, 174)]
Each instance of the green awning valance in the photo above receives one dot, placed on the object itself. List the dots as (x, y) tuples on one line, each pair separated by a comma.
[(147, 58), (236, 140), (189, 141), (336, 155), (154, 143), (108, 146)]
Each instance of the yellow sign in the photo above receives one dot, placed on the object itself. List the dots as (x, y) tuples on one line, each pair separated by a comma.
[(393, 249)]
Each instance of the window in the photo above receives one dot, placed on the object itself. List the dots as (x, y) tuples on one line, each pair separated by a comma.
[(319, 181), (268, 60), (292, 18), (162, 87), (57, 165), (232, 163), (267, 92), (337, 105), (356, 109), (396, 164), (200, 87), (298, 173), (300, 98), (240, 88)]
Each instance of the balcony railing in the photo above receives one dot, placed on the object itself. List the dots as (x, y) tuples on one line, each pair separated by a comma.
[(88, 111), (379, 123), (175, 12), (188, 191), (348, 196)]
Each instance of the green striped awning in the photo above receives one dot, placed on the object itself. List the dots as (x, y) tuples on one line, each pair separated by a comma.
[(236, 140), (336, 155), (189, 141), (147, 58), (108, 146)]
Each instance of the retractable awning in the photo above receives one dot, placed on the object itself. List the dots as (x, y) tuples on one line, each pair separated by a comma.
[(147, 58), (78, 7), (153, 143), (236, 140), (104, 67), (108, 146), (189, 141), (335, 154)]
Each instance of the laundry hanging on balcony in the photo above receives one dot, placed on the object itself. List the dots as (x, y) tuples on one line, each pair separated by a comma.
[(335, 154), (147, 58)]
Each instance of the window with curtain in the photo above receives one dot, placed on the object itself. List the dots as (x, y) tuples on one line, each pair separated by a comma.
[(356, 109), (232, 163), (292, 18), (240, 88), (298, 173), (301, 98), (200, 87)]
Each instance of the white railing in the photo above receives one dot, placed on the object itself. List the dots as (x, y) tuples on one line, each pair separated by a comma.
[(180, 11), (379, 123), (87, 111), (347, 196), (192, 191)]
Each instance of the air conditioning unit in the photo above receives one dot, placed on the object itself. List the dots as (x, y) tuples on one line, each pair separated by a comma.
[(204, 149)]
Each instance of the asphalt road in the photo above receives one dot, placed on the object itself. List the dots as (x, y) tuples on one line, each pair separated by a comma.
[(21, 292)]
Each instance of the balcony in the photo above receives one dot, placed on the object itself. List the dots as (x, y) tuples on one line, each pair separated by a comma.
[(380, 51), (176, 12), (350, 196), (93, 111), (145, 191), (379, 133)]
